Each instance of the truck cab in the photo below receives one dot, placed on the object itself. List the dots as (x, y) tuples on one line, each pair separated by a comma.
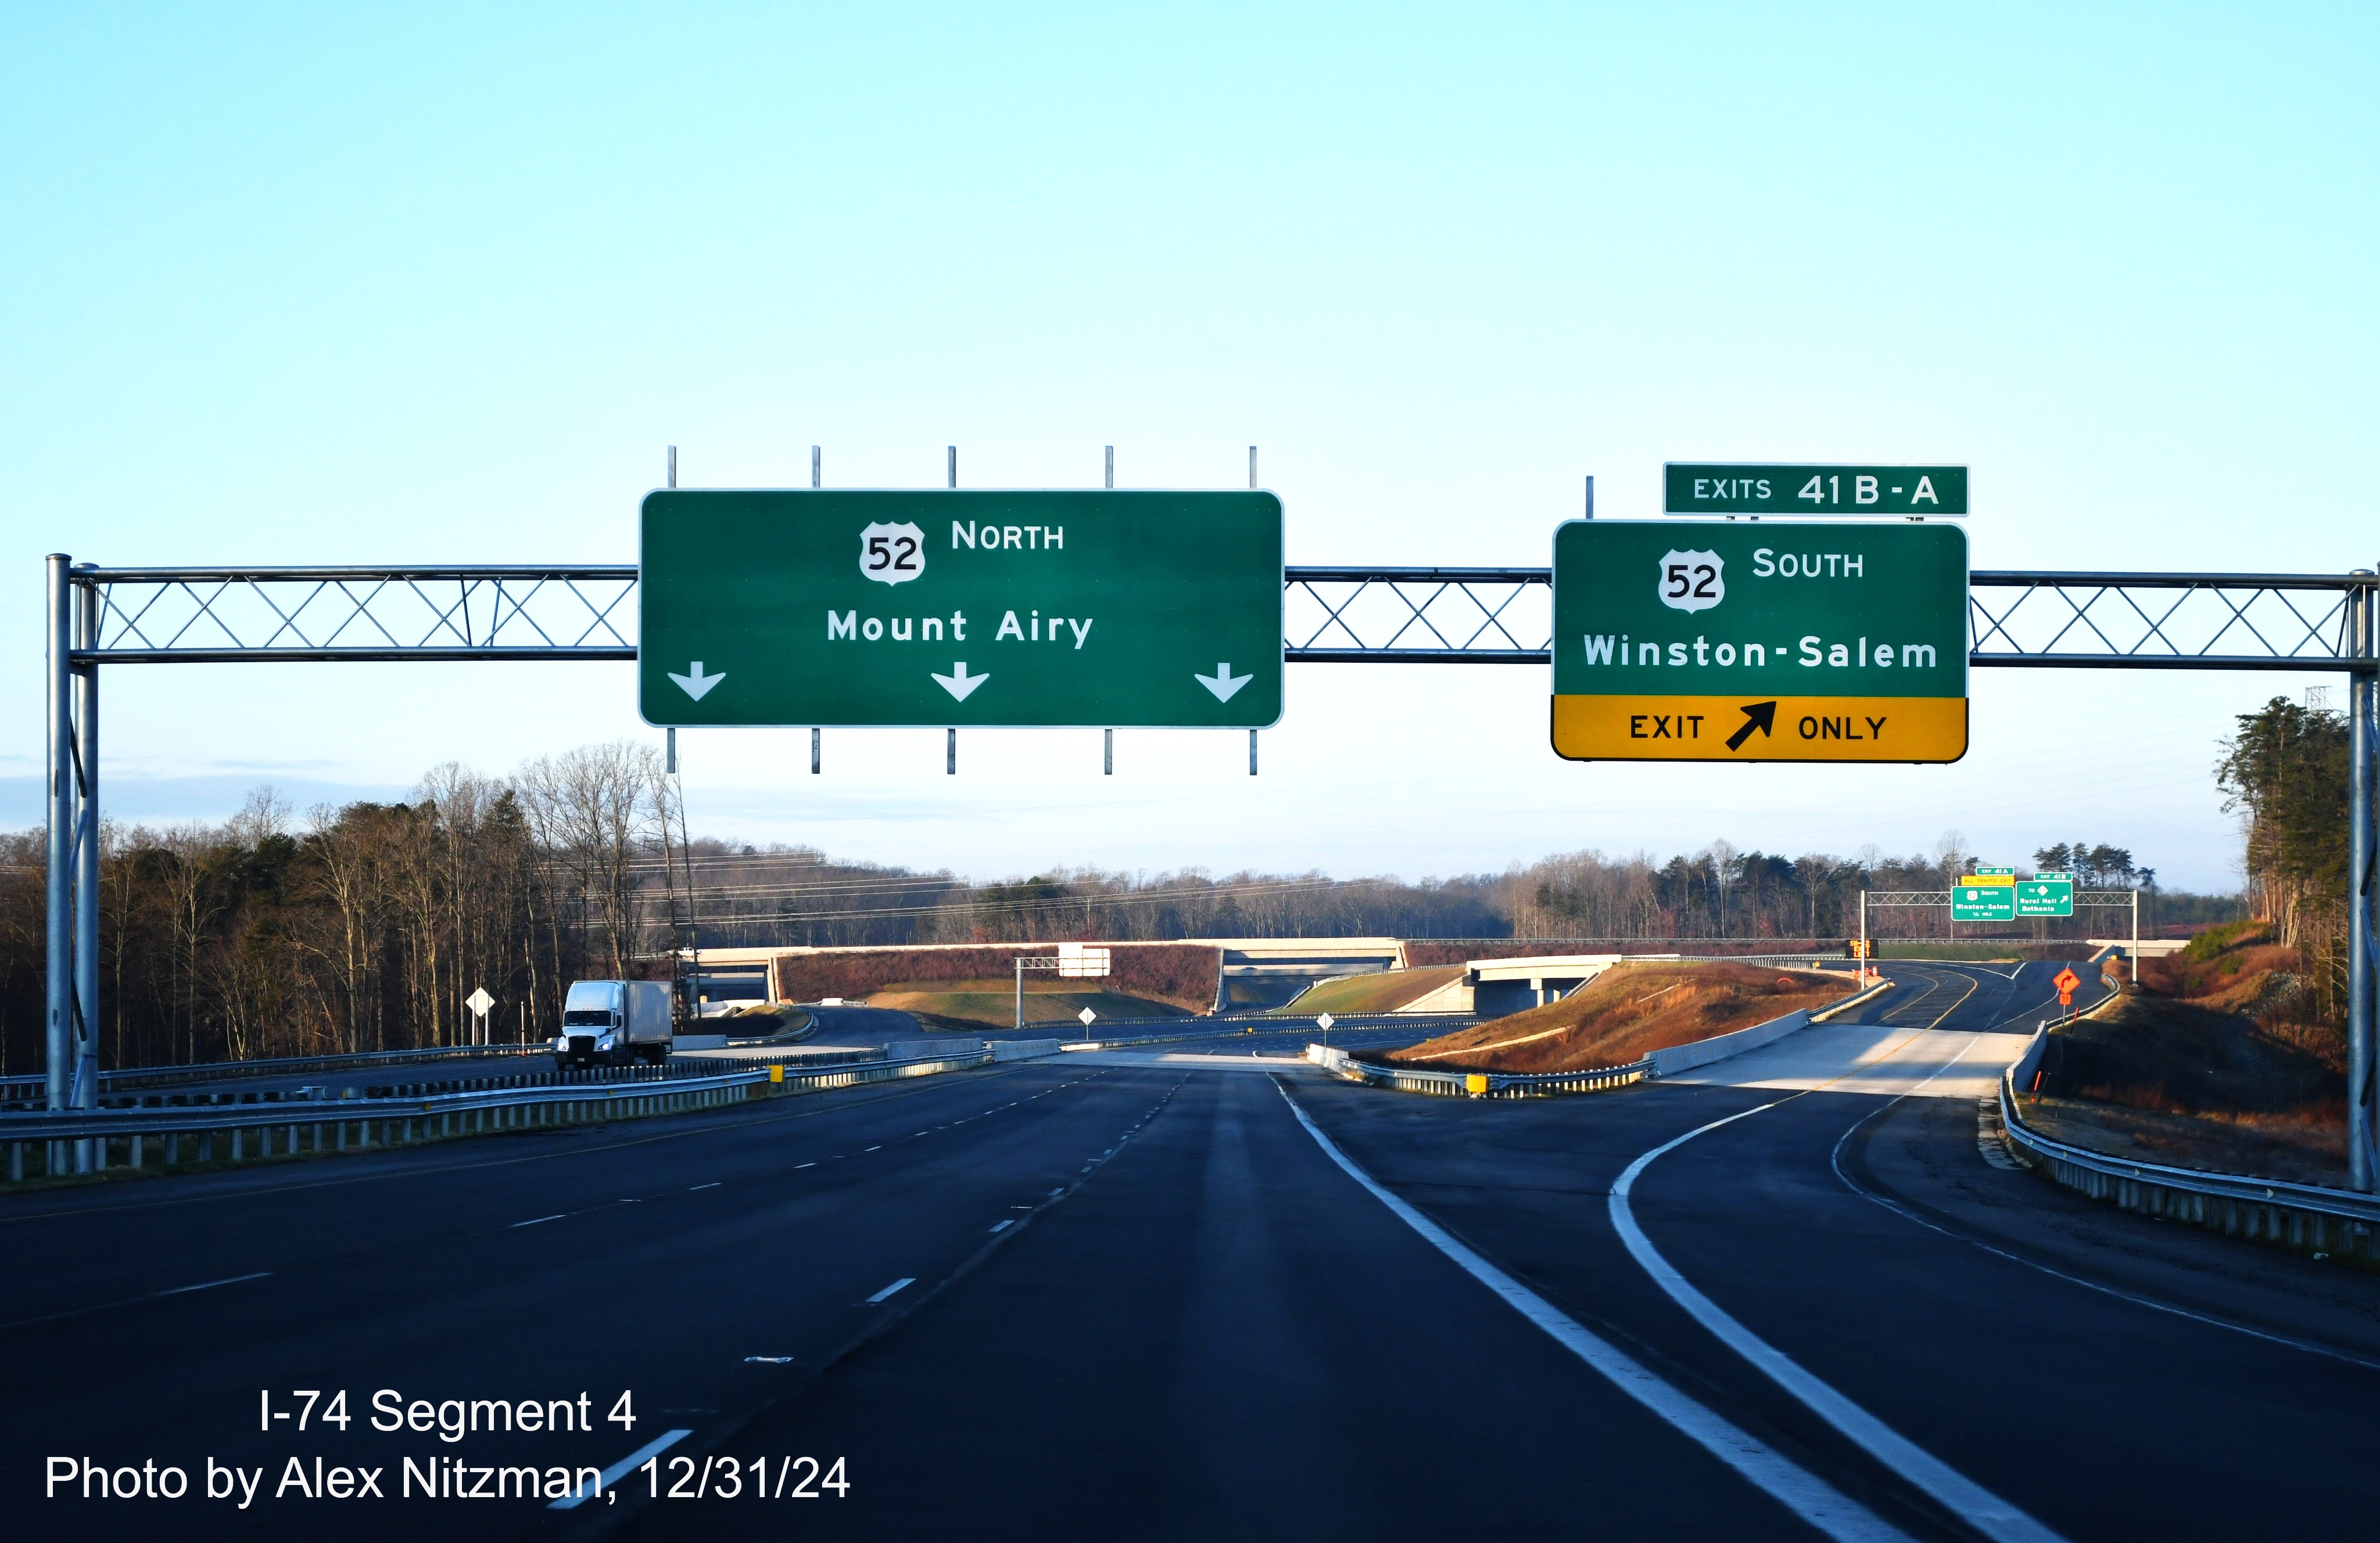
[(615, 1022)]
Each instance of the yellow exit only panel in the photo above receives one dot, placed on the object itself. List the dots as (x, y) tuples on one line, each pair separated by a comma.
[(1762, 728)]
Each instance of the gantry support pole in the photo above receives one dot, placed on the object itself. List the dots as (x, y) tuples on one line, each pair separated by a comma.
[(2362, 685), (57, 1043), (85, 901)]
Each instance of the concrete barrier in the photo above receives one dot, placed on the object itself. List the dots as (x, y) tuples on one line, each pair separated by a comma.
[(1702, 1052), (948, 1044)]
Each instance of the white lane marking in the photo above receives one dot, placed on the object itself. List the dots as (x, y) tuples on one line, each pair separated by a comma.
[(2309, 1347), (210, 1286), (712, 1184), (1002, 1226), (1799, 1490), (769, 1360), (1982, 1510), (868, 1150), (903, 1281), (535, 1219), (800, 1166), (624, 1468)]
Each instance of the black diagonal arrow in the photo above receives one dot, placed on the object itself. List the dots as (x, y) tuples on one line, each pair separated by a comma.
[(1758, 715)]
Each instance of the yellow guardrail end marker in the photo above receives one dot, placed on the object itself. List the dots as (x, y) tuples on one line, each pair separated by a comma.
[(776, 1073), (1475, 1084)]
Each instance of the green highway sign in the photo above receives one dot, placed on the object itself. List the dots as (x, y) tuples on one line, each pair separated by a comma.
[(1982, 903), (1094, 609), (1768, 641), (2045, 897), (1745, 488), (2009, 872)]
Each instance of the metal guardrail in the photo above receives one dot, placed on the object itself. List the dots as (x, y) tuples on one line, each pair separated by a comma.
[(1476, 1085), (408, 1119), (17, 1087), (2304, 1216)]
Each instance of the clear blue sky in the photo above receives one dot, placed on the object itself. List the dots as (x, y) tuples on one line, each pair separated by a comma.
[(307, 285)]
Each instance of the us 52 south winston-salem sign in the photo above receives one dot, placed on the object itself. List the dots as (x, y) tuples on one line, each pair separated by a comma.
[(961, 608), (1759, 641)]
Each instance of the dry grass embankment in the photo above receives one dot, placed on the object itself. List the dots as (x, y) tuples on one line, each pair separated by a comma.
[(1182, 974), (2215, 1062), (779, 1018), (1628, 1012), (1384, 992), (969, 1004)]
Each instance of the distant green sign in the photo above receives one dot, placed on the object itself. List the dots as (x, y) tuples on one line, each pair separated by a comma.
[(1749, 487), (1982, 903), (957, 608), (2044, 897), (2009, 872)]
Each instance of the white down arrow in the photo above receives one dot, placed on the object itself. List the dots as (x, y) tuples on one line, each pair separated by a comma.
[(958, 683), (1222, 683), (697, 683)]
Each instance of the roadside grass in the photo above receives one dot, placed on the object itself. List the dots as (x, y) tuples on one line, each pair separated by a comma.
[(1383, 992), (2212, 1061), (1627, 1012)]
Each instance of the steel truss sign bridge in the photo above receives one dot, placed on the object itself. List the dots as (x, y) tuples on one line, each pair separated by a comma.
[(1362, 614)]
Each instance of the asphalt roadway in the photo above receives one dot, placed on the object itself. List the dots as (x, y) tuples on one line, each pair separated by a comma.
[(838, 1028), (1195, 1293)]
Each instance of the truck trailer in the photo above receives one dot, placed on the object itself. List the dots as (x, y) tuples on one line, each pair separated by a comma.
[(615, 1022)]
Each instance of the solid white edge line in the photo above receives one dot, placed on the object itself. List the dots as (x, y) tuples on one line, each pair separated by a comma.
[(903, 1281), (535, 1219), (624, 1468), (210, 1286), (1835, 1161), (1977, 1506), (1795, 1487)]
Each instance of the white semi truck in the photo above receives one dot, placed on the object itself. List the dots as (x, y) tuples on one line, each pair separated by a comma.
[(615, 1022)]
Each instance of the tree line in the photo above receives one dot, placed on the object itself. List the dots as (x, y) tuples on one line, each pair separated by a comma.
[(2285, 769), (369, 925), (362, 928)]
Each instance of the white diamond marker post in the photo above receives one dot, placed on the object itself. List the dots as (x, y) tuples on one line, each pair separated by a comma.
[(1085, 1017), (696, 684), (478, 1001)]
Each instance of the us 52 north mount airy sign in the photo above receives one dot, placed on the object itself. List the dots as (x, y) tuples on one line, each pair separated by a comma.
[(955, 608)]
